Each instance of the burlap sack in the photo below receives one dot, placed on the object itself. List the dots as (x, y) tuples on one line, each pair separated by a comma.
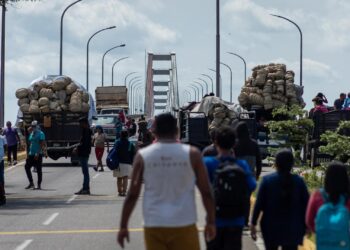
[(22, 93), (280, 86), (256, 99), (34, 109), (34, 103), (60, 83), (54, 105), (46, 92), (44, 101), (75, 106), (40, 85), (243, 99), (33, 95), (45, 109), (85, 97), (85, 107), (22, 101), (24, 108), (71, 88)]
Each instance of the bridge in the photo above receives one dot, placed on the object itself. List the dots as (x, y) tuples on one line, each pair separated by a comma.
[(161, 84)]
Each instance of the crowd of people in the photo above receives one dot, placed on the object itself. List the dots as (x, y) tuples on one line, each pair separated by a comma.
[(320, 103), (226, 174)]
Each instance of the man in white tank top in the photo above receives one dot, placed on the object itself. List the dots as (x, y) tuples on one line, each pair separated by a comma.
[(170, 171)]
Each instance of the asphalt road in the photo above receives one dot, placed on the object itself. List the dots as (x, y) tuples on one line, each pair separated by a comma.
[(54, 218)]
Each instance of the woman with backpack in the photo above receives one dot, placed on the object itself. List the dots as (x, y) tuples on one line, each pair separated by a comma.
[(331, 202), (282, 200), (126, 152)]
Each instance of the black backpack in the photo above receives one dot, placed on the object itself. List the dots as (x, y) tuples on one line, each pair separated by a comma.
[(231, 190)]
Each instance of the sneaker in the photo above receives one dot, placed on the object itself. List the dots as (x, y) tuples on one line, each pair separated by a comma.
[(9, 163), (38, 187), (83, 192), (30, 186), (101, 170), (14, 163), (95, 168)]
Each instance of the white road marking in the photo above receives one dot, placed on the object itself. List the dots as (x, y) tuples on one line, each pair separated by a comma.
[(71, 198), (97, 175), (50, 219), (25, 244), (260, 243), (17, 165)]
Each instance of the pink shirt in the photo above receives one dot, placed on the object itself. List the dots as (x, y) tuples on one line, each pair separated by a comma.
[(315, 202), (321, 108)]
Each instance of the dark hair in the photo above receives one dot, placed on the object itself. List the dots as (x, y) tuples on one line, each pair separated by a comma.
[(165, 125), (242, 131), (342, 94), (336, 181), (225, 137), (211, 94), (124, 135), (320, 95), (284, 163), (349, 94), (319, 101)]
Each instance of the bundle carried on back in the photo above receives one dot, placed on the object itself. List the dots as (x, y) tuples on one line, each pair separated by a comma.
[(271, 86), (59, 94)]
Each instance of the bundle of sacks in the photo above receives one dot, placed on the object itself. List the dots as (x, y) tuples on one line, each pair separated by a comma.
[(219, 112), (59, 94), (271, 86)]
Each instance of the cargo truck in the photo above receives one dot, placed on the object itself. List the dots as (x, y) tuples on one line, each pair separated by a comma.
[(111, 100)]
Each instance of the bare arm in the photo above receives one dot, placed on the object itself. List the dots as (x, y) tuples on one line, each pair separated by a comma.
[(205, 190), (131, 198)]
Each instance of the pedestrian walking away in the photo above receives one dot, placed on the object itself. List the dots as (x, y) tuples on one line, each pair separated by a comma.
[(132, 128), (37, 149), (210, 150), (83, 151), (13, 141), (282, 200), (170, 171), (328, 210), (3, 144), (126, 152), (118, 128), (232, 182), (99, 141)]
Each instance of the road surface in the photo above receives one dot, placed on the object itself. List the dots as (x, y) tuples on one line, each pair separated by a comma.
[(54, 218)]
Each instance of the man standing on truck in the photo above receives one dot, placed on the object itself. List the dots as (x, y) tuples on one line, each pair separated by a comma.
[(36, 151), (83, 151)]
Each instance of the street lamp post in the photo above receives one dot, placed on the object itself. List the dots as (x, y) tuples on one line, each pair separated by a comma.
[(188, 95), (218, 87), (206, 84), (136, 102), (128, 76), (2, 67), (230, 79), (87, 54), (212, 82), (61, 33), (133, 86), (245, 64), (200, 84), (121, 59), (103, 59), (219, 76), (195, 86), (131, 82), (301, 45), (195, 92)]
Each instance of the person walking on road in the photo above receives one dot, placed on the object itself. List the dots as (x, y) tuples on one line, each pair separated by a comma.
[(83, 151), (3, 145), (37, 149), (126, 153), (331, 201), (99, 140), (210, 150), (118, 128), (231, 194), (170, 171), (282, 200), (133, 128), (13, 141)]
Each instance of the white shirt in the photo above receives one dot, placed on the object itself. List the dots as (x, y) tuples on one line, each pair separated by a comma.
[(169, 193), (3, 142)]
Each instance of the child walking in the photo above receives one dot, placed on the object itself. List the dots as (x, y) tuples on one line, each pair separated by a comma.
[(99, 140)]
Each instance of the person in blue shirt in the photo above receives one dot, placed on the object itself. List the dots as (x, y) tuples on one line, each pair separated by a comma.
[(282, 200), (36, 151), (229, 231)]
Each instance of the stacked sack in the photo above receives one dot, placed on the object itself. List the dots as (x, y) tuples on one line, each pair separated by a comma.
[(271, 86), (60, 94)]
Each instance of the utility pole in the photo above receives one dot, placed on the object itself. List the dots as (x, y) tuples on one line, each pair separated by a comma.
[(2, 67), (218, 88)]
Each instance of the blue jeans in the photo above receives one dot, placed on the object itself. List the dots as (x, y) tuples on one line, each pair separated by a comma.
[(2, 172), (85, 169)]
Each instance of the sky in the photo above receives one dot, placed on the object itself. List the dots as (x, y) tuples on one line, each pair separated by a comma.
[(184, 27)]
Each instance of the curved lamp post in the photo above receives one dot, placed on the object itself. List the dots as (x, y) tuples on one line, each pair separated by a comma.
[(133, 90), (103, 59), (121, 59), (87, 54), (230, 79), (200, 84), (212, 82), (245, 64), (197, 89), (61, 33), (128, 76), (189, 96), (206, 84), (219, 75), (195, 92), (301, 45)]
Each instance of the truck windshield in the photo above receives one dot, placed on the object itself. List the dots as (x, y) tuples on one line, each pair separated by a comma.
[(110, 111), (106, 120)]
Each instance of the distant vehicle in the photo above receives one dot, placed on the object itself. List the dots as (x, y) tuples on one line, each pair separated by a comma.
[(111, 99), (108, 123)]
